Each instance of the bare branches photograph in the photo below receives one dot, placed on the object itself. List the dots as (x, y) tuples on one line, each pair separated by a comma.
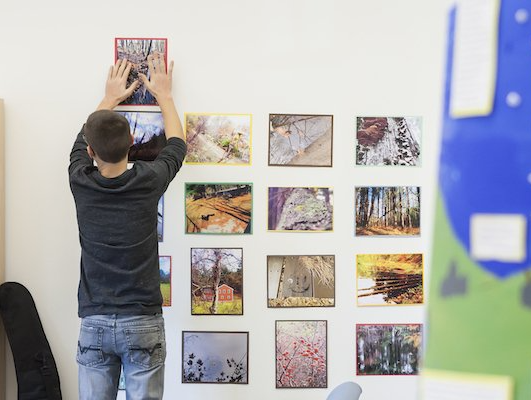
[(300, 140)]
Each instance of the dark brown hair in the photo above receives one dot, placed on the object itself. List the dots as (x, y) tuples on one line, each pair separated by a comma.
[(108, 134)]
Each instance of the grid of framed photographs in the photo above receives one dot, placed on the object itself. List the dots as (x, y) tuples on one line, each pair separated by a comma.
[(293, 280)]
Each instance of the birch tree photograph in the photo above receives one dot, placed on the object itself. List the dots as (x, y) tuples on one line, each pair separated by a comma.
[(217, 281)]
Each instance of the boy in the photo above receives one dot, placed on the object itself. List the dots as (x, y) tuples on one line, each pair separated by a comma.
[(120, 303)]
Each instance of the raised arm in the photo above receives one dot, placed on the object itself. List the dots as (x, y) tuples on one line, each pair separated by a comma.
[(160, 87)]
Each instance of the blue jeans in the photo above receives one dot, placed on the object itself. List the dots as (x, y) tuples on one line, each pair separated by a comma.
[(107, 342)]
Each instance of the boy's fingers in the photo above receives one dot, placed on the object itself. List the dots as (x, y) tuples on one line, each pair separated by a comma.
[(150, 64), (109, 75), (127, 70), (123, 66), (131, 89), (170, 70), (116, 67)]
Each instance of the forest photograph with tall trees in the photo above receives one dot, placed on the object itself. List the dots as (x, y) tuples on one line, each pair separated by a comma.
[(215, 357), (301, 354), (300, 281), (388, 141), (300, 209), (224, 208), (300, 140), (218, 138), (137, 51), (389, 279), (388, 349), (217, 281), (392, 211), (147, 128)]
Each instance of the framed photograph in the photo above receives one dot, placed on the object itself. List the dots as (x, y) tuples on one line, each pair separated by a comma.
[(387, 211), (301, 354), (217, 281), (300, 281), (215, 357), (137, 50), (388, 141), (389, 279), (303, 209), (147, 129), (165, 279), (160, 219), (388, 349), (214, 139), (218, 208), (300, 140)]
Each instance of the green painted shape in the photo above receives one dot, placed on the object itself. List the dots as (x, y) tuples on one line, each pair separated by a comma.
[(488, 329)]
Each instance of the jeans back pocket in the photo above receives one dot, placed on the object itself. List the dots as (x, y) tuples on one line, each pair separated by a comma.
[(89, 346), (146, 345)]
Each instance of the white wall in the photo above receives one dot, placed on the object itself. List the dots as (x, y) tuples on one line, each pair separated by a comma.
[(343, 57)]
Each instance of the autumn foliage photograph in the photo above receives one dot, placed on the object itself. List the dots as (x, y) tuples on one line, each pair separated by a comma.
[(218, 208), (301, 354), (387, 211), (389, 279)]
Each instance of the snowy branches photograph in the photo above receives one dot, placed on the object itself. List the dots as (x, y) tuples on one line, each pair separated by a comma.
[(301, 354)]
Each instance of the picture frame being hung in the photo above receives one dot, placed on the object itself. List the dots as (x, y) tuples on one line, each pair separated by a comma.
[(218, 208), (300, 281), (216, 281), (387, 211), (218, 139), (136, 51), (300, 140), (388, 141), (215, 357)]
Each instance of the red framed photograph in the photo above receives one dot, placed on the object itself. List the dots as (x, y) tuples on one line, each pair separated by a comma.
[(137, 50)]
